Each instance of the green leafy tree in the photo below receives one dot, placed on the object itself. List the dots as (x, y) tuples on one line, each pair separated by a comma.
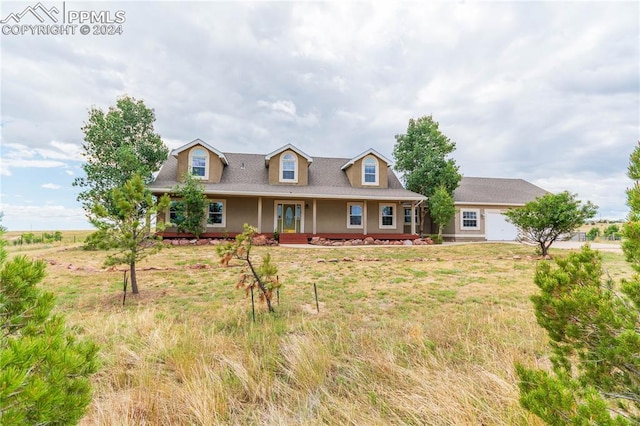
[(118, 144), (612, 232), (593, 233), (442, 208), (44, 368), (190, 210), (549, 218), (130, 231), (594, 331), (263, 276), (422, 155)]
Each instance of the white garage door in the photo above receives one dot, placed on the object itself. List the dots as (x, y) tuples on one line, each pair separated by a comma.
[(498, 229)]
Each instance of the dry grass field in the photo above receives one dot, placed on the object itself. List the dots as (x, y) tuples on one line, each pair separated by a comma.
[(404, 335)]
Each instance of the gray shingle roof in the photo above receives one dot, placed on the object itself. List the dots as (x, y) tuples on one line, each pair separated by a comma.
[(246, 174), (479, 190)]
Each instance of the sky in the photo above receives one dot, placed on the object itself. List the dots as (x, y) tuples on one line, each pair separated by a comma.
[(548, 92)]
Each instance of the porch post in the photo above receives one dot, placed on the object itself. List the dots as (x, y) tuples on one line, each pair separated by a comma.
[(365, 218), (259, 215), (413, 217), (315, 230)]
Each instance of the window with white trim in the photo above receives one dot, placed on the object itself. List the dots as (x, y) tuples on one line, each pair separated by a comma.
[(370, 171), (288, 168), (355, 215), (387, 216), (198, 161), (469, 219), (215, 213)]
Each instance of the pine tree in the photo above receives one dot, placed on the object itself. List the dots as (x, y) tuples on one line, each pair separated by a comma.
[(130, 231), (44, 368), (262, 277), (594, 331)]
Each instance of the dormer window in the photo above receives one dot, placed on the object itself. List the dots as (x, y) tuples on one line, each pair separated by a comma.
[(370, 171), (288, 168), (198, 160)]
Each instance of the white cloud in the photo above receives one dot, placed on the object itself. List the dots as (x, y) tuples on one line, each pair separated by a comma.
[(285, 106), (50, 186), (6, 164), (19, 155)]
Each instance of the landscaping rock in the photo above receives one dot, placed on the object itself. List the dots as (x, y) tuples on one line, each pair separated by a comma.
[(260, 240)]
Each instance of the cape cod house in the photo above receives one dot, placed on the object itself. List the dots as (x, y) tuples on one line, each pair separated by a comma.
[(289, 192)]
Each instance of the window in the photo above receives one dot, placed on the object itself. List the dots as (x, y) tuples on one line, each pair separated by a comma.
[(469, 219), (289, 168), (215, 214), (407, 216), (387, 216), (199, 163), (175, 212), (370, 171), (354, 215)]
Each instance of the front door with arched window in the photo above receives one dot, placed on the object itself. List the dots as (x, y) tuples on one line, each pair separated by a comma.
[(288, 217)]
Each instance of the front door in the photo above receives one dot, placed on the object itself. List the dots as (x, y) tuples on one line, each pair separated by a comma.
[(289, 216)]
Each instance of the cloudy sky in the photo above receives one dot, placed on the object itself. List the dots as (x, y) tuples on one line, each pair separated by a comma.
[(544, 91)]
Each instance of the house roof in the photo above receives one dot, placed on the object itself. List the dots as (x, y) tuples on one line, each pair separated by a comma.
[(496, 191), (246, 174), (364, 154), (195, 142)]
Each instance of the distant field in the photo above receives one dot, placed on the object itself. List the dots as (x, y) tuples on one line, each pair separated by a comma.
[(67, 236), (417, 335)]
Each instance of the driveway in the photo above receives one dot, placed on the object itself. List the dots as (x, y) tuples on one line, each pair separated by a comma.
[(608, 247)]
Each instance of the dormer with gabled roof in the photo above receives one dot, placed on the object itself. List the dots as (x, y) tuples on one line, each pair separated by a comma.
[(368, 170), (288, 165), (200, 159)]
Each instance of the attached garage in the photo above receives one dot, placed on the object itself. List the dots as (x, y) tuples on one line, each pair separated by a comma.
[(498, 228), (481, 204)]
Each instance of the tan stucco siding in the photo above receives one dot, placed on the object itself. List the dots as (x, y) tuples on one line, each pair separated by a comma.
[(215, 165), (268, 213), (274, 170), (332, 217), (373, 223), (240, 211), (354, 173), (237, 212)]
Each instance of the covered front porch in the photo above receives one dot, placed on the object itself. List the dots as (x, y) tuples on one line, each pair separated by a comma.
[(301, 219)]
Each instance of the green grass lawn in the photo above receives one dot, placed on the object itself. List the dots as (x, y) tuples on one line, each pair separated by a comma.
[(420, 335)]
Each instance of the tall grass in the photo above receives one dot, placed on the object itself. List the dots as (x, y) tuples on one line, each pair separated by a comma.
[(425, 335)]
